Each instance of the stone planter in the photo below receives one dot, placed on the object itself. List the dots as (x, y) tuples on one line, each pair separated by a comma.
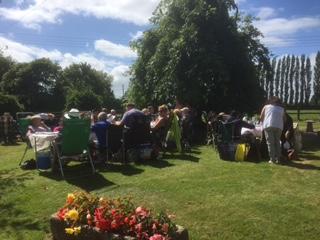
[(89, 233)]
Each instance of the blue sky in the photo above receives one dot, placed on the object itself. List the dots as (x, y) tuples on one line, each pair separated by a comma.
[(99, 31)]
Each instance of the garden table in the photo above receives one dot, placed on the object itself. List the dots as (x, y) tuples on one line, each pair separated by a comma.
[(257, 131)]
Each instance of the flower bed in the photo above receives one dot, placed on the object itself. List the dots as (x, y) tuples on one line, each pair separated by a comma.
[(85, 216)]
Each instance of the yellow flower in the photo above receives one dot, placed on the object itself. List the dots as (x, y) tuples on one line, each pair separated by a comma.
[(69, 230), (72, 215), (77, 230), (70, 198)]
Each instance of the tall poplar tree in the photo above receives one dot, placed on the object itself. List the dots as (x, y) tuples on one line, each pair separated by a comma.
[(296, 81), (291, 79), (282, 77), (277, 78), (272, 77), (302, 79), (316, 96), (286, 80), (308, 81)]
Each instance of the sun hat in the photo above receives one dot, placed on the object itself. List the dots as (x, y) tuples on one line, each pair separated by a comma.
[(73, 113), (35, 117)]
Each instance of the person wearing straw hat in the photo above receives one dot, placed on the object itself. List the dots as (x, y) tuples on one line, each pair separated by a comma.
[(37, 125)]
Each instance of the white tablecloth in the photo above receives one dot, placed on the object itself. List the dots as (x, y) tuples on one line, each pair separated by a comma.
[(257, 132), (42, 140)]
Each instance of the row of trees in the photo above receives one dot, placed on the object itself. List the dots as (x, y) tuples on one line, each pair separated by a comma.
[(42, 85), (293, 79)]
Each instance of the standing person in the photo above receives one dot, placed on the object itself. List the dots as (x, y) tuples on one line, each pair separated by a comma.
[(272, 118)]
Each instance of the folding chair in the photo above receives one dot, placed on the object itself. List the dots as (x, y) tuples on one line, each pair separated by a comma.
[(23, 124), (74, 142), (114, 140)]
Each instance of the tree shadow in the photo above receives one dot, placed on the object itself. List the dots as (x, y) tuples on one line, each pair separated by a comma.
[(125, 169), (299, 165), (10, 144), (183, 157), (156, 163), (11, 216), (310, 156)]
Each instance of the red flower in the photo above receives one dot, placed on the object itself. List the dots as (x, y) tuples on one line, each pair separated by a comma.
[(165, 227), (61, 213), (101, 223), (157, 237), (140, 211), (139, 227)]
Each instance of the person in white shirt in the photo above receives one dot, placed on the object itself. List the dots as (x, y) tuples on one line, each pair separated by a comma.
[(272, 118)]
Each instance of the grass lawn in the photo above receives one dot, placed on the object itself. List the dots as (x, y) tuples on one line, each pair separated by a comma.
[(214, 199)]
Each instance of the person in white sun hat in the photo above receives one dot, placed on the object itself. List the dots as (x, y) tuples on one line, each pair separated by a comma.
[(73, 113)]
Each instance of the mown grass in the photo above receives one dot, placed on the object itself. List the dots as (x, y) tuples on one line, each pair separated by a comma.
[(214, 199)]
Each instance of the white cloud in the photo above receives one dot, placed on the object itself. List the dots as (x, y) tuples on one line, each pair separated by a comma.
[(121, 78), (279, 32), (136, 36), (27, 53), (44, 11), (266, 12), (114, 50)]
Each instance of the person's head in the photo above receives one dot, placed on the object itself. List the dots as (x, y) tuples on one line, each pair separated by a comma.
[(185, 111), (151, 109), (177, 112), (113, 112), (145, 111), (102, 116), (73, 113), (35, 120), (275, 101), (130, 106), (104, 110), (163, 110)]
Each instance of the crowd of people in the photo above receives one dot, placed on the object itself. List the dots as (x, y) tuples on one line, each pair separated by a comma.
[(274, 124), (270, 135), (148, 125)]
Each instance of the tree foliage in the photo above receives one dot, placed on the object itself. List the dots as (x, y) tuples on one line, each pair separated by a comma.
[(10, 104), (85, 100), (317, 79), (35, 84), (201, 53)]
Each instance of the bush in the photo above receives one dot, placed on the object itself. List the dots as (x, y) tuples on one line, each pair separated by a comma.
[(9, 103)]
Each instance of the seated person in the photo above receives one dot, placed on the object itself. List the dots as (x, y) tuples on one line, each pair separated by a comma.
[(159, 126), (130, 116), (37, 125), (238, 124), (72, 114), (100, 129)]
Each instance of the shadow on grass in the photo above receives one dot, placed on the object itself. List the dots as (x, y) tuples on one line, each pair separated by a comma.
[(183, 157), (11, 216), (309, 156), (81, 176), (10, 144), (10, 180), (300, 165), (125, 169), (156, 163)]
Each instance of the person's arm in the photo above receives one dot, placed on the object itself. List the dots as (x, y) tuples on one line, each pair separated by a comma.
[(45, 126), (262, 114), (158, 124)]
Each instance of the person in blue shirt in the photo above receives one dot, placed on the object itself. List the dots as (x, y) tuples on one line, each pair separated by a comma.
[(100, 129)]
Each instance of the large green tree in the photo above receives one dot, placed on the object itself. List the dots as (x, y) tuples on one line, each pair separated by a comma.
[(302, 79), (5, 64), (201, 53), (308, 81), (83, 78), (35, 84), (291, 79)]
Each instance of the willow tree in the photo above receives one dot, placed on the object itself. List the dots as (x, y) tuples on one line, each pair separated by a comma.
[(201, 53)]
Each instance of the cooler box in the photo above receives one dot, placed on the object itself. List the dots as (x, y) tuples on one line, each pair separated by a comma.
[(43, 160)]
